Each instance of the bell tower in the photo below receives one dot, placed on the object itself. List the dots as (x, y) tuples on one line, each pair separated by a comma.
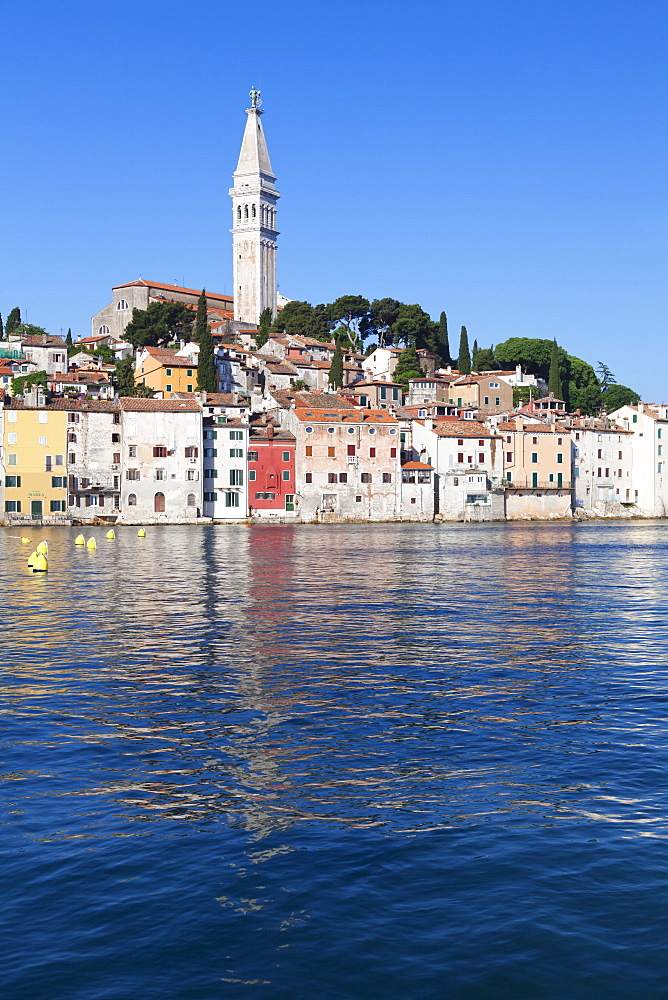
[(254, 230)]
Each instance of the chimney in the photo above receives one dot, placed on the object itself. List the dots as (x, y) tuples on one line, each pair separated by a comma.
[(44, 338), (270, 431), (428, 424)]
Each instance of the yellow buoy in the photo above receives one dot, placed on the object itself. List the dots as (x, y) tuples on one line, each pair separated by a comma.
[(31, 558), (91, 543), (141, 533), (25, 541), (40, 564), (43, 548), (80, 540), (110, 534)]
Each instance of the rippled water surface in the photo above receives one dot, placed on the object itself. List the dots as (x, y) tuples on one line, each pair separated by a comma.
[(342, 762)]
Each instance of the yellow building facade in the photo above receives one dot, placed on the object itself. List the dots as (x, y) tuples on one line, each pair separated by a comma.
[(34, 447), (164, 372)]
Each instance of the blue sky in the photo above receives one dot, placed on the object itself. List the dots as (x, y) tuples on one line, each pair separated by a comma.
[(504, 161)]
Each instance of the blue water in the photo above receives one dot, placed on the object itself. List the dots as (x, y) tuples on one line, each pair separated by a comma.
[(344, 762)]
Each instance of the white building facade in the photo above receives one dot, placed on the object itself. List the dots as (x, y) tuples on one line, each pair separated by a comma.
[(649, 446)]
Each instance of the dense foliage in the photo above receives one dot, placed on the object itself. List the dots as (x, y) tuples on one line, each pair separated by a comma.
[(207, 375), (336, 369), (408, 366), (160, 324), (23, 382), (124, 379)]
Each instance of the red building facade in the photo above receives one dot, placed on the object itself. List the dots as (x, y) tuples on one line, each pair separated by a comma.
[(271, 471)]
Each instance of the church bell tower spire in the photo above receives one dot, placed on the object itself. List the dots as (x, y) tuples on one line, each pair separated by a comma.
[(254, 232)]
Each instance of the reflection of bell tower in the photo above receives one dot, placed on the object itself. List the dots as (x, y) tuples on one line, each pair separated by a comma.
[(254, 231)]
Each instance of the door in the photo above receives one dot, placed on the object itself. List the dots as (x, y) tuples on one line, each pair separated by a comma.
[(289, 501), (560, 479), (36, 510)]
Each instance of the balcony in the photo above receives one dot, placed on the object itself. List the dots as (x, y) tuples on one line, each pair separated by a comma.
[(352, 459)]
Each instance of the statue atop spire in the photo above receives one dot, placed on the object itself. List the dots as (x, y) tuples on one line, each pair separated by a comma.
[(256, 102)]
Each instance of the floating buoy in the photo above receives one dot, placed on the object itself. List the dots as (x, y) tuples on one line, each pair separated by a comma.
[(110, 534), (31, 558), (40, 564), (91, 543), (43, 548), (25, 541), (141, 533), (80, 540)]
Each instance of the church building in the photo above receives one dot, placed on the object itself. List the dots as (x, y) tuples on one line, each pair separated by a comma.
[(254, 235)]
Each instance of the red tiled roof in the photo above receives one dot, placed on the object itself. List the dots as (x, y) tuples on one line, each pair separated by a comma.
[(129, 403), (354, 416), (175, 288)]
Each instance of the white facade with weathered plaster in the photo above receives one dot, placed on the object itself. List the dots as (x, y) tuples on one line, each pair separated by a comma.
[(602, 467), (649, 446), (94, 449)]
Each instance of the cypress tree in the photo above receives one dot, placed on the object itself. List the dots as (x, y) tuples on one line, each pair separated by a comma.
[(68, 338), (554, 380), (207, 376), (443, 341), (474, 351), (2, 329), (264, 328), (464, 359), (336, 369), (408, 366), (13, 321)]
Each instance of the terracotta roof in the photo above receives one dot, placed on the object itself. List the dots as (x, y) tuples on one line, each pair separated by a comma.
[(353, 416), (174, 288), (462, 429), (129, 403), (327, 400), (43, 340), (417, 465), (95, 405)]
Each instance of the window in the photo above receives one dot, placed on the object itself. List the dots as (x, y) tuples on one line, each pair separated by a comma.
[(251, 475), (132, 451), (56, 505), (372, 452), (13, 506), (159, 503), (658, 451), (132, 499), (331, 453), (309, 430), (168, 372), (358, 499), (343, 477), (210, 497), (560, 458), (189, 388), (534, 440), (534, 457), (103, 330), (372, 430), (286, 456), (189, 374), (308, 477), (486, 401), (12, 439), (607, 472), (191, 474), (168, 388), (509, 456), (43, 418), (387, 477), (11, 416), (211, 473), (160, 474), (599, 474), (71, 437), (231, 499), (635, 418), (42, 440), (286, 474), (116, 458), (236, 453), (132, 474), (12, 481), (11, 459), (210, 452), (73, 418), (366, 477), (534, 480), (330, 430), (236, 477), (351, 449), (497, 401), (560, 441), (57, 482), (600, 453), (72, 458), (331, 477), (309, 451), (252, 455), (393, 452), (460, 442), (159, 452), (191, 451), (236, 435), (460, 458), (658, 433), (383, 392)]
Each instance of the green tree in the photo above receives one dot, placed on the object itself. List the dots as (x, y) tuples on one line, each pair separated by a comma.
[(464, 359), (586, 398), (201, 323), (68, 338), (207, 375), (523, 393), (442, 341), (474, 352), (301, 319), (264, 328), (414, 325), (29, 330), (105, 354), (554, 379), (13, 320), (408, 366), (159, 325), (336, 369), (484, 360), (24, 382), (353, 312), (124, 380), (605, 376), (2, 329), (384, 314), (616, 395)]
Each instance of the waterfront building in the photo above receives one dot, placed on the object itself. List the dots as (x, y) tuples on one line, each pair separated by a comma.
[(224, 462), (34, 446), (648, 423), (94, 450), (254, 234), (160, 482), (417, 491), (272, 488), (602, 455), (468, 461), (536, 468), (348, 465)]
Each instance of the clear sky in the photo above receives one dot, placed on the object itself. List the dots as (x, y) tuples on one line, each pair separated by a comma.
[(502, 160)]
